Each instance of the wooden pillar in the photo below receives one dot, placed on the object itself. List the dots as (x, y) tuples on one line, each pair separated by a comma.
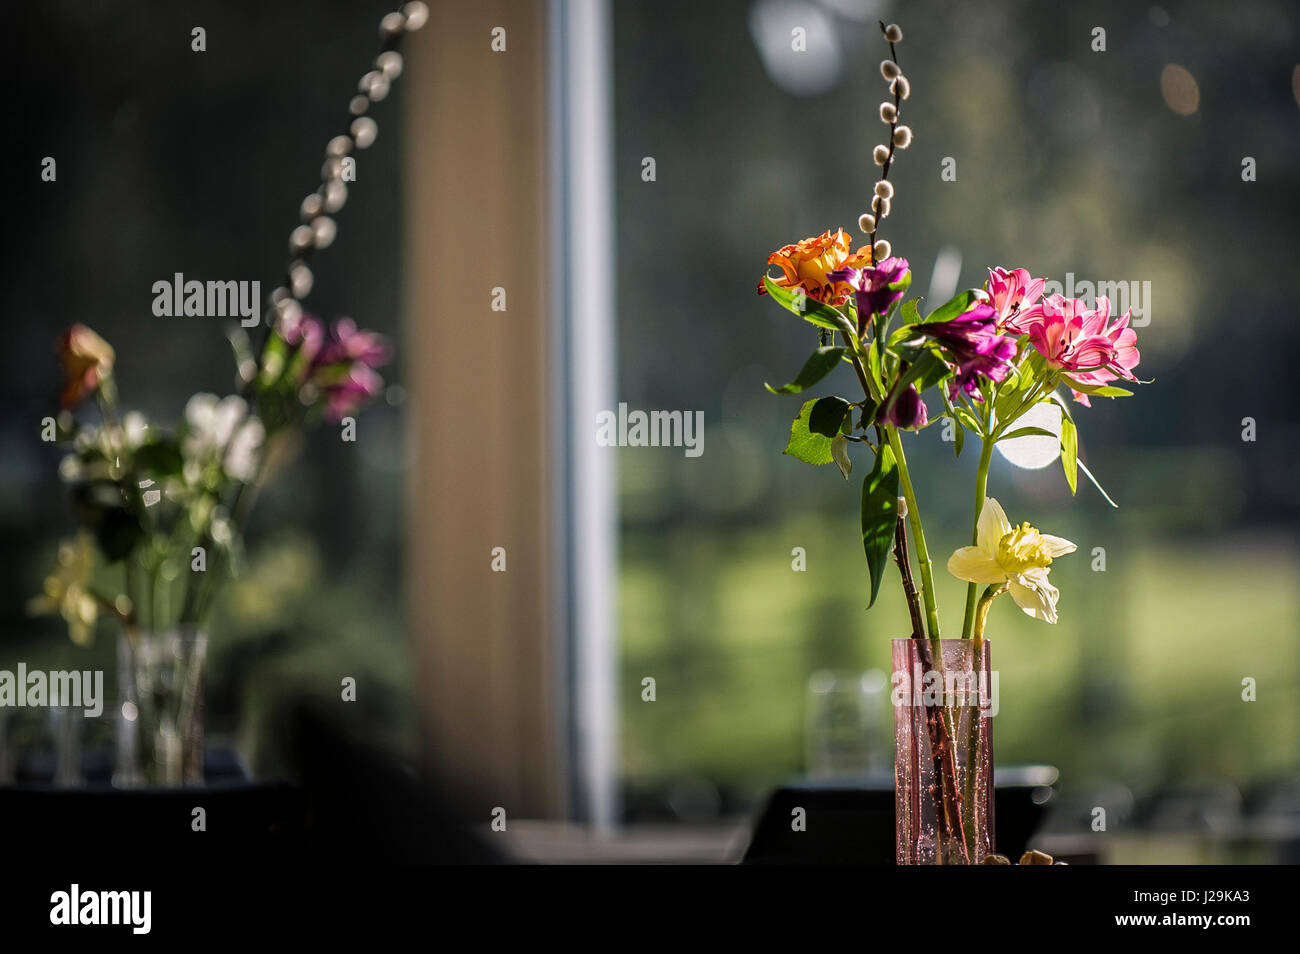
[(479, 470)]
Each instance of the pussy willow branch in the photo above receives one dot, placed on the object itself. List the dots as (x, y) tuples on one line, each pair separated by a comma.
[(884, 170), (374, 86), (392, 28), (948, 798), (904, 562)]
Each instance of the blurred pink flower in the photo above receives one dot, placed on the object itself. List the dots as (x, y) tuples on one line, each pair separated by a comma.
[(307, 334), (348, 343), (344, 395), (344, 368), (336, 368)]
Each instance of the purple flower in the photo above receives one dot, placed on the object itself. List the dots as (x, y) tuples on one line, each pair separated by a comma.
[(871, 285), (350, 344), (972, 343), (358, 385), (307, 334), (335, 369), (906, 410), (344, 368)]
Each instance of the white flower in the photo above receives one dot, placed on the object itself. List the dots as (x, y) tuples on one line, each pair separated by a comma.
[(245, 450), (1017, 557), (211, 421), (135, 428), (214, 424)]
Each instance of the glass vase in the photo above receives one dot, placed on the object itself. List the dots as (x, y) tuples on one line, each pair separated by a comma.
[(943, 697), (160, 717)]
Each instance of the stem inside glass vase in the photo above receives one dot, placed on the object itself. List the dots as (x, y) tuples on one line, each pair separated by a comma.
[(943, 757), (160, 725)]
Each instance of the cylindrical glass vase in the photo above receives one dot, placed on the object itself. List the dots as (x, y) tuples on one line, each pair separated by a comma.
[(943, 751), (160, 718)]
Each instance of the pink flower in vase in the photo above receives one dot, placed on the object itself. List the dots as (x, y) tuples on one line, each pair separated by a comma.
[(1077, 340), (344, 368), (972, 342), (1010, 293), (907, 410), (351, 344), (871, 290)]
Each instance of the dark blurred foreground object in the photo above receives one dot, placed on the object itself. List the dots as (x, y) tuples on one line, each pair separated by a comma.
[(851, 821), (347, 800)]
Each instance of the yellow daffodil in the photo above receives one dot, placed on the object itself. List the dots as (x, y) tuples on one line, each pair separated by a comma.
[(1014, 557), (67, 590)]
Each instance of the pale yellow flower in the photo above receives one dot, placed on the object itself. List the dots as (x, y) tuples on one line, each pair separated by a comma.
[(67, 590), (1017, 557)]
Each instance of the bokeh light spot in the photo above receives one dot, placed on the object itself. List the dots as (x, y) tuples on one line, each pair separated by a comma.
[(1179, 89)]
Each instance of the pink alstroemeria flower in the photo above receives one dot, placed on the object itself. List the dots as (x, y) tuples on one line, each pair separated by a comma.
[(1077, 340), (1010, 293)]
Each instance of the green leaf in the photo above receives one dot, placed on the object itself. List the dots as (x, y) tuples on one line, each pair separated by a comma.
[(966, 417), (933, 372), (909, 312), (906, 333), (840, 454), (1069, 451), (103, 507), (879, 515), (118, 533), (1100, 489), (875, 369), (926, 370), (827, 415), (1027, 432), (958, 304), (1008, 401), (1099, 390), (959, 432), (804, 444), (161, 457), (813, 311), (819, 364), (868, 415)]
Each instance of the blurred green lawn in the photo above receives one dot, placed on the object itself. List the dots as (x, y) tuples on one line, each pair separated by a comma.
[(1140, 682)]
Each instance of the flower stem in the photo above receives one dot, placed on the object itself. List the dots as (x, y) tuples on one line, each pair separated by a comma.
[(981, 488), (918, 536), (973, 736)]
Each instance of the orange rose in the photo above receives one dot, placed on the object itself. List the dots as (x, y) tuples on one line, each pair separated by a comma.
[(87, 360), (806, 264)]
